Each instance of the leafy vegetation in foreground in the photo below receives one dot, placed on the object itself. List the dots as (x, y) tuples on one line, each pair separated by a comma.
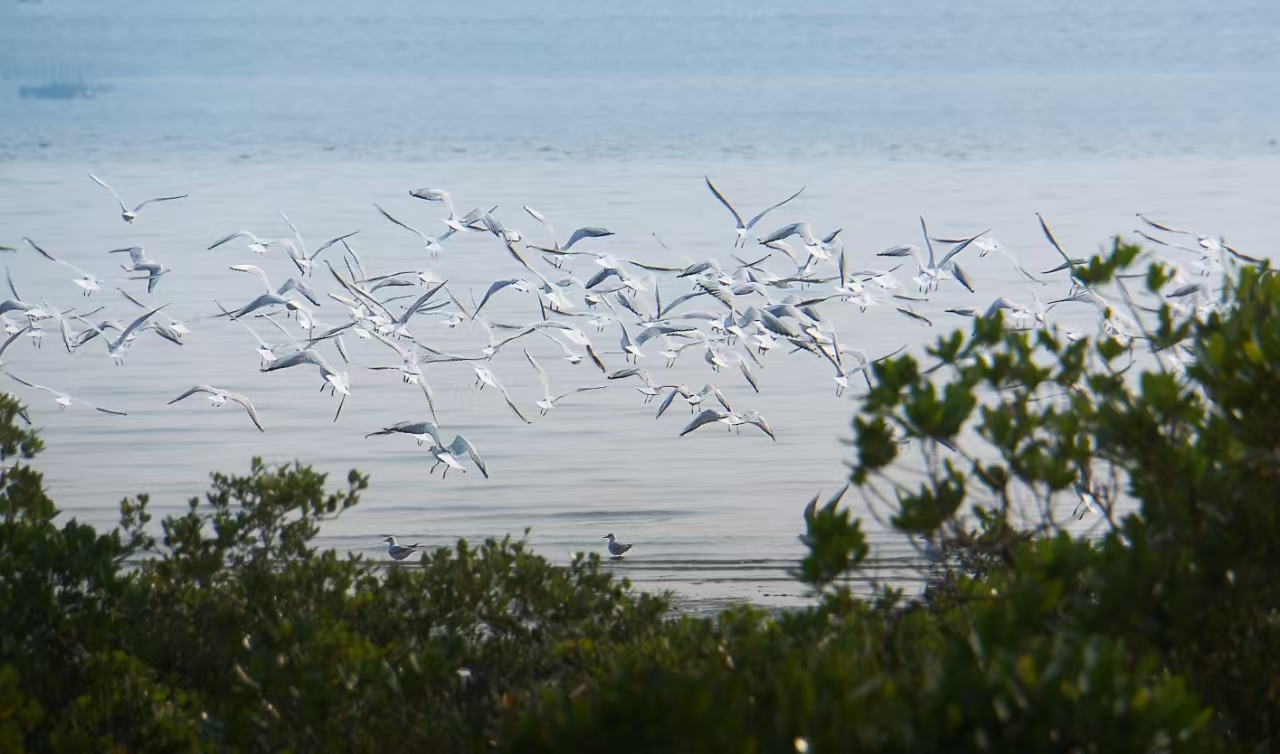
[(1161, 634)]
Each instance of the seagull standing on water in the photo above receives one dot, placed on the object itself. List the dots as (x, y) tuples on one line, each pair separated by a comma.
[(616, 548), (400, 552)]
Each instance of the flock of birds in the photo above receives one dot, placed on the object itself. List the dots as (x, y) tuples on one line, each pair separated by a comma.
[(732, 316)]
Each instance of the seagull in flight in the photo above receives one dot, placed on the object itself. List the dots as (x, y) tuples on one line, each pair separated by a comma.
[(712, 415), (741, 227), (62, 399), (130, 215), (440, 196), (337, 382), (139, 262), (88, 283), (485, 376), (576, 236), (292, 284), (933, 272), (549, 402), (219, 397), (256, 245), (117, 348), (433, 244)]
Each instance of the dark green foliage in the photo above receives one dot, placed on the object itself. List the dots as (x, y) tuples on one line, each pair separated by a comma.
[(230, 631)]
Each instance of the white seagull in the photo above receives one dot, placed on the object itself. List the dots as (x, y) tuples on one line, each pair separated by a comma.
[(549, 401), (88, 283), (219, 397), (139, 262), (741, 227), (337, 382), (400, 552), (130, 215), (616, 548), (485, 376), (62, 399), (432, 244), (256, 245)]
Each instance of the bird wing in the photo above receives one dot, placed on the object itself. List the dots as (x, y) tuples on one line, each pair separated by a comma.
[(961, 276), (232, 237), (710, 389), (560, 397), (361, 294), (434, 195), (493, 225), (736, 217), (401, 351), (248, 406), (138, 208), (136, 254), (652, 267), (402, 225), (494, 287), (461, 445), (746, 372), (294, 284), (718, 292), (32, 385), (507, 396), (589, 232), (666, 403), (426, 391), (542, 375), (1053, 241), (928, 242), (811, 510), (42, 252), (960, 247), (103, 184), (134, 325), (915, 316), (12, 338), (752, 417), (767, 210), (785, 231), (1018, 265), (416, 305), (305, 356), (197, 389), (1165, 228), (596, 359), (255, 270), (302, 246), (536, 215), (52, 258), (680, 300), (902, 250), (331, 242), (709, 416)]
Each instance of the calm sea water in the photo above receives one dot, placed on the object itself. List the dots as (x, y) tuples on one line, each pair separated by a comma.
[(596, 114)]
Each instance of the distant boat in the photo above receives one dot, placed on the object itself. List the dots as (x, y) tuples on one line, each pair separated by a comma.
[(61, 89), (58, 90)]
